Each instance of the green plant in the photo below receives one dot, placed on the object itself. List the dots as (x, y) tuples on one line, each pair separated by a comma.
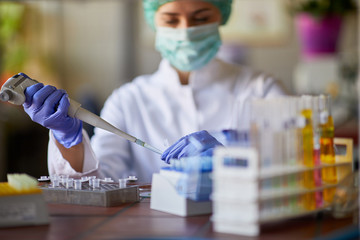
[(323, 8), (13, 51)]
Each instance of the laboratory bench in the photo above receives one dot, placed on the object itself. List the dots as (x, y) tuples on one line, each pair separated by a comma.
[(138, 221)]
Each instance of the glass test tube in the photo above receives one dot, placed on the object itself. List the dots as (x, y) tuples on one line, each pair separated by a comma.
[(308, 154), (327, 151), (317, 162)]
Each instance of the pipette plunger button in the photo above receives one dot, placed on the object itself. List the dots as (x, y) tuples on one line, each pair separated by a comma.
[(5, 95)]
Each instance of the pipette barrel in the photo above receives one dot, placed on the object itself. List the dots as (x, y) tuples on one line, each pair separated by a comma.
[(96, 121)]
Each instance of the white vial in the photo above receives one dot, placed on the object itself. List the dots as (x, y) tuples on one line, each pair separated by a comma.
[(44, 178), (91, 178), (107, 179), (122, 182), (96, 183), (132, 178), (54, 177), (70, 183), (55, 183), (77, 184), (84, 179), (64, 179)]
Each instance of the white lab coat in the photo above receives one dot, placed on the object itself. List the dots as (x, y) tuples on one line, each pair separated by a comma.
[(158, 110)]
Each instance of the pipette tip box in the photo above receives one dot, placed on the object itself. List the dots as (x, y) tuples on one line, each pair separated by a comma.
[(107, 195), (165, 198), (22, 208)]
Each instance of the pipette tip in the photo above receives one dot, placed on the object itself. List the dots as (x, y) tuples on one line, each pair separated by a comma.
[(145, 145), (152, 148)]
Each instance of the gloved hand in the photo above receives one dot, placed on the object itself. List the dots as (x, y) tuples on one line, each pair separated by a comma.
[(49, 106), (198, 143)]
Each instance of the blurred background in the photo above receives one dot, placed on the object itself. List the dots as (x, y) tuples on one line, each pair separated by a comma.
[(91, 47)]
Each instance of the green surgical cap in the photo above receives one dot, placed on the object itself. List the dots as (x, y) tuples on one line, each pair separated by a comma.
[(151, 6)]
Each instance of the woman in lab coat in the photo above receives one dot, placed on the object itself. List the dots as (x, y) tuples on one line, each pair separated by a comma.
[(191, 91)]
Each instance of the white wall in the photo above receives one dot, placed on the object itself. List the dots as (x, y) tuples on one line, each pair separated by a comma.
[(279, 59), (96, 43), (107, 43)]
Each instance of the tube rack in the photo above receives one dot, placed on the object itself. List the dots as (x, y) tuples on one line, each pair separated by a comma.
[(245, 196), (106, 195)]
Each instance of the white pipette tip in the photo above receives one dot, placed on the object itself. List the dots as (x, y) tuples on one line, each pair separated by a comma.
[(152, 148), (145, 145)]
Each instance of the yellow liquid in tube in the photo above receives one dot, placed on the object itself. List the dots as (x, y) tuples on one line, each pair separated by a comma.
[(308, 199), (327, 156)]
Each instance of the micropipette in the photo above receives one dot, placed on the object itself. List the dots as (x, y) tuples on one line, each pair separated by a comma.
[(13, 91)]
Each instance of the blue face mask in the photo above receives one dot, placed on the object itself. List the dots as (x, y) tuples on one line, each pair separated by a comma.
[(190, 48)]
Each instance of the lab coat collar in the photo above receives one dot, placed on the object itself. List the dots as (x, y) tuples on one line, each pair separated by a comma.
[(211, 72)]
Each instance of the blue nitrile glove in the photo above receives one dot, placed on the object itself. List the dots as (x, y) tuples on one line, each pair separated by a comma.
[(49, 106), (198, 143)]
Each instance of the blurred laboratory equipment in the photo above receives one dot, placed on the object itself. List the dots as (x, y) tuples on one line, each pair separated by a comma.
[(22, 202), (346, 198), (292, 166)]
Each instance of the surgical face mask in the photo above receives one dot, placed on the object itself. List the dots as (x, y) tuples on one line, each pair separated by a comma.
[(190, 48)]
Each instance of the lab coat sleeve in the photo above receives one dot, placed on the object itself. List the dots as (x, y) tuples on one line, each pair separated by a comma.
[(266, 86), (60, 166), (273, 87)]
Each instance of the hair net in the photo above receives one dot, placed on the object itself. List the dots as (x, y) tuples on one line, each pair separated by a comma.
[(151, 6)]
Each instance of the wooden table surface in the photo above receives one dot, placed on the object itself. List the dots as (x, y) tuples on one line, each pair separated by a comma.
[(137, 220)]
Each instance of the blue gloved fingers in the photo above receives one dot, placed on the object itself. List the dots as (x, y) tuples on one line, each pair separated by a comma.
[(208, 152), (198, 143), (188, 151), (40, 96), (66, 130), (52, 102), (174, 150), (204, 138), (29, 93), (48, 107), (167, 151), (51, 111), (59, 111), (64, 104)]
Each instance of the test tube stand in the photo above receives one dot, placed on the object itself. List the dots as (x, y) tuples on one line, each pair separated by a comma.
[(108, 195), (240, 202)]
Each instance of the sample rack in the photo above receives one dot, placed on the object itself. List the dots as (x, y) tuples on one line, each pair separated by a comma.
[(245, 196), (108, 194)]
